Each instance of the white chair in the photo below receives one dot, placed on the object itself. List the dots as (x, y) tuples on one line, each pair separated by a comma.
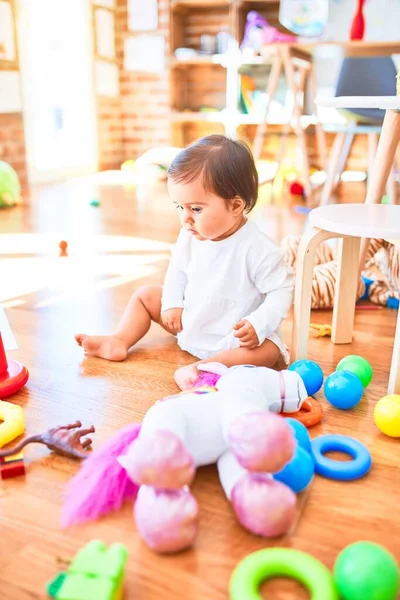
[(351, 223), (390, 133)]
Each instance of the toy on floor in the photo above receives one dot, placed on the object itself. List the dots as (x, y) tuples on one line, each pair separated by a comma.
[(387, 415), (362, 571), (13, 375), (349, 470), (10, 188), (260, 566), (357, 365), (343, 389), (322, 330), (366, 571), (12, 466), (296, 189), (234, 427), (12, 423), (64, 439), (380, 283), (63, 245), (311, 374), (95, 573)]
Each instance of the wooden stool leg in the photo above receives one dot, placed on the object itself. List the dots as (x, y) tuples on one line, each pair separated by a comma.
[(394, 378), (320, 135), (332, 169), (300, 133), (391, 187), (272, 84), (305, 262), (387, 145), (344, 305)]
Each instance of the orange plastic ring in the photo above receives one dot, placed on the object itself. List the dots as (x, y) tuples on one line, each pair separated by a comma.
[(310, 414)]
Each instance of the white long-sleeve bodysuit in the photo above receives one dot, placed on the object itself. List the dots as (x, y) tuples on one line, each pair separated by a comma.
[(220, 283)]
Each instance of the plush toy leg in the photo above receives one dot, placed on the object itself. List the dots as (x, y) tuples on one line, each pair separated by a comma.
[(159, 459), (261, 441), (262, 505), (167, 520), (159, 456)]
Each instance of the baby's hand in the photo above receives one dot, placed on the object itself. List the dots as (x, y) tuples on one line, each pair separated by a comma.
[(246, 334), (171, 319)]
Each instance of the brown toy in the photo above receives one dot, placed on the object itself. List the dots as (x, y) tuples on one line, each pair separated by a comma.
[(64, 439)]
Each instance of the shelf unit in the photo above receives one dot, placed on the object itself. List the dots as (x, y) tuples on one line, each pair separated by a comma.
[(209, 80)]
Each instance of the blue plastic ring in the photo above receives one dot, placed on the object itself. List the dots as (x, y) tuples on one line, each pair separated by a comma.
[(336, 469)]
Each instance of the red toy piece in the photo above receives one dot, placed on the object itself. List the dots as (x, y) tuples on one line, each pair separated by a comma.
[(296, 189), (13, 375), (12, 466), (358, 23)]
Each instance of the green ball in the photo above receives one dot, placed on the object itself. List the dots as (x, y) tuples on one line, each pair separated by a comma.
[(95, 202), (366, 571), (10, 189), (357, 365)]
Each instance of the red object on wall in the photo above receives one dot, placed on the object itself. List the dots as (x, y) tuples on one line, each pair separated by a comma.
[(358, 24)]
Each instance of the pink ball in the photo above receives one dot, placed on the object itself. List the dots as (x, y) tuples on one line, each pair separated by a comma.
[(264, 506), (159, 459), (262, 441), (167, 520)]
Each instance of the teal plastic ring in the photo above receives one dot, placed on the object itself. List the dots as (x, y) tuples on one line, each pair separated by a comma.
[(256, 568)]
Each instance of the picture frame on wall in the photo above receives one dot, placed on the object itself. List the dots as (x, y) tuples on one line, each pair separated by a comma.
[(105, 33), (8, 51), (142, 16)]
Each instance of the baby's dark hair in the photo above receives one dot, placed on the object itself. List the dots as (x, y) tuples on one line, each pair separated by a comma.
[(227, 167)]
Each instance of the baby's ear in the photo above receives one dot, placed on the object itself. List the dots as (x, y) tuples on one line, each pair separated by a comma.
[(213, 367)]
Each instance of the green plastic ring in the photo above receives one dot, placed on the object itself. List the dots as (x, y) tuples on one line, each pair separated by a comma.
[(252, 571)]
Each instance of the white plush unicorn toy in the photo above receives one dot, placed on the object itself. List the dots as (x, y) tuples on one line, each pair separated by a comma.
[(232, 424)]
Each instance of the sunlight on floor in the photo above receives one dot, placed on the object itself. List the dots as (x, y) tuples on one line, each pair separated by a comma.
[(31, 263)]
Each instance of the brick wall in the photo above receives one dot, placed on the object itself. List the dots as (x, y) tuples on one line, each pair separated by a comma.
[(12, 138), (144, 96)]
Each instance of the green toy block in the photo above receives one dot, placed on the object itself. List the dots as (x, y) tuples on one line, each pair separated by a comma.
[(95, 559), (55, 584), (95, 573), (82, 587)]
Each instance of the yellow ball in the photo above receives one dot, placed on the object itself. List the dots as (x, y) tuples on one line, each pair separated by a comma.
[(387, 415)]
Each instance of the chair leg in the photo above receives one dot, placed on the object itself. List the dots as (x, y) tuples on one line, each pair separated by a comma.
[(394, 378), (300, 133), (391, 187), (388, 142), (305, 262), (272, 85), (344, 305), (332, 169)]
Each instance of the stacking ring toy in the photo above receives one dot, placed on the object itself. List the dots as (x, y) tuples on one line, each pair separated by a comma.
[(252, 571), (13, 375), (310, 413), (336, 469)]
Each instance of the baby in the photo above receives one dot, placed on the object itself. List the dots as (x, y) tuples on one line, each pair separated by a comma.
[(227, 288)]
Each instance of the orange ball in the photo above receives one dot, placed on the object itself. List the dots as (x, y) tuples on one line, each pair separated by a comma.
[(63, 245)]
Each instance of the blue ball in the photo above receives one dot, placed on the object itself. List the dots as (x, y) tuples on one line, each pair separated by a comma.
[(343, 389), (300, 433), (311, 374), (298, 473)]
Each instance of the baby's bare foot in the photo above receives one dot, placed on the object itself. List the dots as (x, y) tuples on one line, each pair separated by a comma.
[(109, 347)]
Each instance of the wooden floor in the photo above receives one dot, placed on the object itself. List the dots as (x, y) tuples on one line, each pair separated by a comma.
[(114, 249)]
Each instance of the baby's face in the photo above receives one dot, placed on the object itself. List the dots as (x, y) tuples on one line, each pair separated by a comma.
[(205, 215)]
